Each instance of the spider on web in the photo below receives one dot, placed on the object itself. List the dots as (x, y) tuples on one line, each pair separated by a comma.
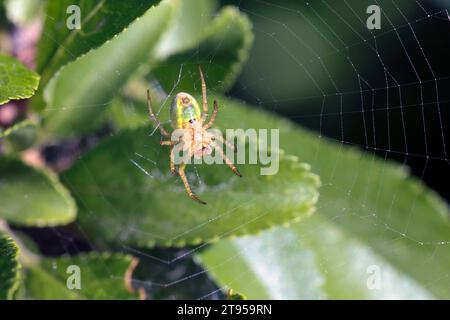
[(195, 140)]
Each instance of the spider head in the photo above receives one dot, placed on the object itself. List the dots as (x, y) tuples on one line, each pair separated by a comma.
[(185, 111)]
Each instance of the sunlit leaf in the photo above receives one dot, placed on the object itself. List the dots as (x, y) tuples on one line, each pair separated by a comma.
[(16, 80), (128, 196), (222, 50), (80, 92), (188, 22), (99, 21), (372, 220), (32, 197)]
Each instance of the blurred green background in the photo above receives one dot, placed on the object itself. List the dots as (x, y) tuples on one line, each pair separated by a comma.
[(316, 63)]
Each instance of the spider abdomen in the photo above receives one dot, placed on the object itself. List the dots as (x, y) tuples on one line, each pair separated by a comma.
[(185, 111), (195, 139)]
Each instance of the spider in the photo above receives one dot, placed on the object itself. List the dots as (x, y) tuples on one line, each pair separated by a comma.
[(196, 140)]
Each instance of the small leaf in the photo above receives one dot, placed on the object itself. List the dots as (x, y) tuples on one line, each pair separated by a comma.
[(101, 276), (32, 197), (373, 222), (16, 80), (19, 136), (80, 92), (9, 267), (222, 51), (128, 196), (16, 127), (99, 21)]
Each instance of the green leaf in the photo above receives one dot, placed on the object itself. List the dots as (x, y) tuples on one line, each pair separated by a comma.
[(309, 260), (99, 21), (19, 136), (9, 267), (33, 197), (16, 80), (101, 276), (371, 216), (127, 195), (189, 21), (80, 92), (16, 127), (222, 51), (125, 113)]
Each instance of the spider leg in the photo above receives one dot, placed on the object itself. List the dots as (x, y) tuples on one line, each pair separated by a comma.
[(205, 103), (229, 163), (172, 162), (153, 117), (169, 143), (213, 116), (186, 184)]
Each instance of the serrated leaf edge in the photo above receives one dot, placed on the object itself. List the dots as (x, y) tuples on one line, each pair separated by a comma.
[(17, 270)]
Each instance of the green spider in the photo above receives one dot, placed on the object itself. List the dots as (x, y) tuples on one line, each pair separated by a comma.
[(196, 140)]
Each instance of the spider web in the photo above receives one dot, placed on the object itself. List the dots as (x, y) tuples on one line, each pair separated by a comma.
[(383, 91)]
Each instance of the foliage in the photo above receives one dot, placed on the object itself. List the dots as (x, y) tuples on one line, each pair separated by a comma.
[(120, 192), (9, 267), (155, 208), (33, 197), (16, 81), (100, 21), (102, 276), (360, 221)]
